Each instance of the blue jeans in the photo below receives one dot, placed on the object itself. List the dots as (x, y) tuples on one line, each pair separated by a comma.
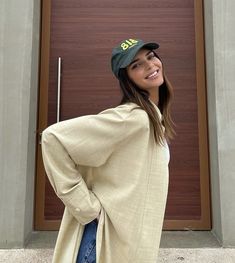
[(87, 249)]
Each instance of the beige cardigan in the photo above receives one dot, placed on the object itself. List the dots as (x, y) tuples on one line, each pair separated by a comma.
[(108, 163)]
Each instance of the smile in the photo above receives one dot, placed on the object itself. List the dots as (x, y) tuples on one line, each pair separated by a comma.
[(153, 75)]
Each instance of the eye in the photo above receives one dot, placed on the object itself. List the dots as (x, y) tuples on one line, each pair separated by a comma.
[(136, 65), (151, 56)]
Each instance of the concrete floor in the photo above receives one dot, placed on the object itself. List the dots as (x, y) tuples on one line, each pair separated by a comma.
[(176, 247), (166, 255)]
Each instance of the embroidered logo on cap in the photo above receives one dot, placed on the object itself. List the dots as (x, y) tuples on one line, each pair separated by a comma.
[(129, 43)]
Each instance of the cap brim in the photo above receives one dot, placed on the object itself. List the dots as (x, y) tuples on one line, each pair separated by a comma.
[(134, 51)]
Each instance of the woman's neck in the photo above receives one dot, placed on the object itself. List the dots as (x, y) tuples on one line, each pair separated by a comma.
[(154, 95)]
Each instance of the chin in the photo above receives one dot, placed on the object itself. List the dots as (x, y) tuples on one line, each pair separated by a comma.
[(160, 82), (153, 85), (156, 83)]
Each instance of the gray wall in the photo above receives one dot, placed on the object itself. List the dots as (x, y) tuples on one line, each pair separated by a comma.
[(220, 64), (19, 40)]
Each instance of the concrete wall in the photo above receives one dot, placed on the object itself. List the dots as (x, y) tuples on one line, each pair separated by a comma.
[(19, 40), (220, 64)]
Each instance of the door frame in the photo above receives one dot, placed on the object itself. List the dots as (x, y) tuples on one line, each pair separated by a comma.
[(205, 223), (39, 222)]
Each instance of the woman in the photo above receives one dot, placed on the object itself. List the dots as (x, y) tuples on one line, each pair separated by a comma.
[(111, 169)]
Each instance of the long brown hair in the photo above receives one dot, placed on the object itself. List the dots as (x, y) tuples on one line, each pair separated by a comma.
[(132, 93)]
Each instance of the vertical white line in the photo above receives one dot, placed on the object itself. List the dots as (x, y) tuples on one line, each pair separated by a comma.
[(58, 90)]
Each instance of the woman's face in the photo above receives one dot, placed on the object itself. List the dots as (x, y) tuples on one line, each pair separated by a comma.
[(146, 70)]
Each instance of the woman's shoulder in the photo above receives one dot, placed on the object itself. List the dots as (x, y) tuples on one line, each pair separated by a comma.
[(127, 110), (129, 113)]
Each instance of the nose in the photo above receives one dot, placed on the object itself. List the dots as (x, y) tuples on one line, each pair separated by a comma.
[(149, 64)]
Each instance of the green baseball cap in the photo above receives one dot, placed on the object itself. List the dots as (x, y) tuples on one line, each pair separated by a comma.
[(124, 53)]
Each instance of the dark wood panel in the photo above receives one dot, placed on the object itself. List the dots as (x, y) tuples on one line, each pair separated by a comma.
[(83, 34)]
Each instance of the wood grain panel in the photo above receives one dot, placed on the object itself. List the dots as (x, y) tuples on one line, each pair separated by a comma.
[(83, 34)]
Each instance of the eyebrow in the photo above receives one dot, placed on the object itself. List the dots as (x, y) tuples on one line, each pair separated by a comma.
[(139, 59)]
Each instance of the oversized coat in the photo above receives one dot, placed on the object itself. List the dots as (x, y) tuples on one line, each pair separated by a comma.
[(108, 163)]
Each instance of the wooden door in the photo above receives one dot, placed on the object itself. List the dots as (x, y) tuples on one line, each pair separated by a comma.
[(82, 33)]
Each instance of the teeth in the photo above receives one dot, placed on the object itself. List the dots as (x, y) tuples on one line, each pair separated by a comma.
[(153, 74)]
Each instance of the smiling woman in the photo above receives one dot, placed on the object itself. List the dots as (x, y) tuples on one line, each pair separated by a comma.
[(142, 80), (114, 199), (146, 71)]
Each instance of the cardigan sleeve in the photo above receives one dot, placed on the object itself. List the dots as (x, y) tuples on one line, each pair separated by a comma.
[(87, 140)]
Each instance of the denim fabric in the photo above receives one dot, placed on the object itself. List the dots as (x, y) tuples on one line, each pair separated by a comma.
[(87, 249)]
